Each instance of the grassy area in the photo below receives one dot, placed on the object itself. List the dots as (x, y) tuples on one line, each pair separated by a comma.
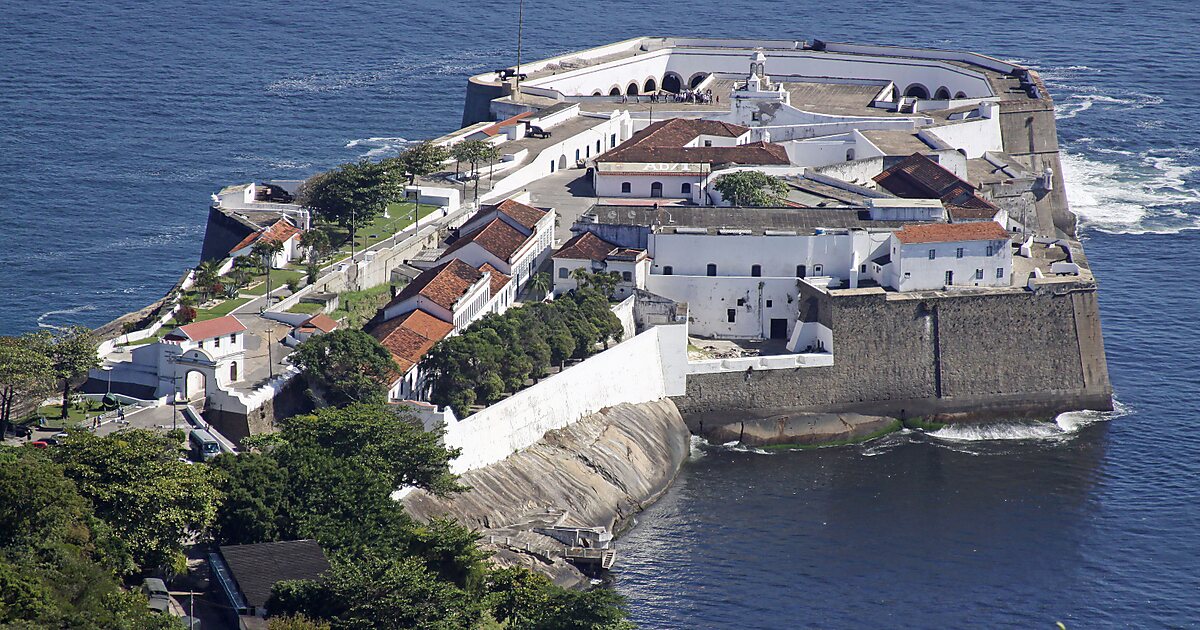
[(279, 278), (75, 415), (892, 427), (359, 306), (220, 310), (308, 308), (381, 228), (923, 424)]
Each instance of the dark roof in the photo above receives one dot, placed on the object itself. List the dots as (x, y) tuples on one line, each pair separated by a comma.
[(974, 212), (443, 284), (918, 177), (497, 237), (256, 568), (664, 142), (952, 232)]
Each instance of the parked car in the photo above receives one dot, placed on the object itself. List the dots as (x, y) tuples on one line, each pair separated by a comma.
[(159, 598), (39, 444)]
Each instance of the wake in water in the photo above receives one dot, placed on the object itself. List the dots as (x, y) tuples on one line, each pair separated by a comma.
[(379, 146), (51, 315)]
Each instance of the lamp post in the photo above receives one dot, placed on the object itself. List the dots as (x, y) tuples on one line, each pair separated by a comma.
[(175, 403)]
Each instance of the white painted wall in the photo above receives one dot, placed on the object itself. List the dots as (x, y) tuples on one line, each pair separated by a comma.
[(647, 367), (976, 136), (734, 255), (912, 270), (710, 299)]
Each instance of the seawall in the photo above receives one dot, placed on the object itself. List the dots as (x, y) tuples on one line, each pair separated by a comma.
[(599, 471), (954, 356)]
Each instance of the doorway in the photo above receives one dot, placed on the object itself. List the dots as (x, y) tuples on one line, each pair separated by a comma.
[(778, 328)]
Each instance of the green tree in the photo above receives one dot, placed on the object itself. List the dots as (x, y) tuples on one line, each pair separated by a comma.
[(297, 622), (353, 194), (25, 369), (266, 251), (348, 364), (474, 152), (524, 600), (419, 161), (207, 277), (72, 353), (540, 284), (316, 242), (255, 507), (751, 188), (136, 484)]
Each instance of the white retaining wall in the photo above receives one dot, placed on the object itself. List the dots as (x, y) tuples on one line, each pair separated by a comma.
[(648, 367)]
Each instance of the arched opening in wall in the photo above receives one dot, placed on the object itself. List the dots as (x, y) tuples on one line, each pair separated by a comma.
[(685, 189), (616, 91), (576, 155), (233, 372), (597, 93), (849, 155), (632, 90), (651, 86), (697, 79), (672, 82), (194, 385), (711, 270), (917, 90), (942, 94), (963, 151), (626, 187), (562, 162), (960, 95), (656, 189)]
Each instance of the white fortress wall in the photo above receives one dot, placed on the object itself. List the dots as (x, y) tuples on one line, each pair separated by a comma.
[(711, 299), (648, 367), (974, 136)]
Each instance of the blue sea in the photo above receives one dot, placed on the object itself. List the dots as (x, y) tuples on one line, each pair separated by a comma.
[(119, 119)]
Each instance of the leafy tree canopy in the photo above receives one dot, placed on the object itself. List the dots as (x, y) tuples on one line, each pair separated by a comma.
[(25, 369), (349, 365), (751, 188), (353, 194)]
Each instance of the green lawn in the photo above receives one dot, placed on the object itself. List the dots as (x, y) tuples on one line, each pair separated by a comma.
[(360, 306), (381, 228), (75, 415), (279, 278), (308, 308), (220, 310)]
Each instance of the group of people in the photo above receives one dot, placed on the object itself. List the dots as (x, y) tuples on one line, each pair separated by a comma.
[(686, 96)]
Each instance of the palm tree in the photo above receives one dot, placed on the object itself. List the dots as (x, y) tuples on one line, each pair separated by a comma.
[(207, 277), (266, 251), (540, 283), (317, 243)]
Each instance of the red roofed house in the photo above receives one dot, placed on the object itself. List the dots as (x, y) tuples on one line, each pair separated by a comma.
[(408, 337), (674, 158), (282, 231), (195, 359), (511, 236), (937, 256), (315, 325), (596, 255), (453, 292)]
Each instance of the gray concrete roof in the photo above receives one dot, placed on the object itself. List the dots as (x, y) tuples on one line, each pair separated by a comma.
[(714, 219)]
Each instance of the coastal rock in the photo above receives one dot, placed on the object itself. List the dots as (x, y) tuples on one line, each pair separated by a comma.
[(599, 471), (804, 429)]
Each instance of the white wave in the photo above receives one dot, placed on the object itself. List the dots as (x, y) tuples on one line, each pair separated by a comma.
[(379, 146), (41, 320), (696, 447), (999, 431), (1151, 198)]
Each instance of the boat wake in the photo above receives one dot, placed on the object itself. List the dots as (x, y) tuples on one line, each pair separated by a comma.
[(57, 315), (380, 146)]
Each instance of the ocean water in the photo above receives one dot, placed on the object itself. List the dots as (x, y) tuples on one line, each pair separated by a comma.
[(118, 120)]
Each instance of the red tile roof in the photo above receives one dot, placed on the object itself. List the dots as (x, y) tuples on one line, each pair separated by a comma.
[(952, 232), (321, 322), (918, 177), (493, 130), (585, 246), (523, 214), (498, 279), (443, 285), (410, 336), (664, 142), (971, 212), (497, 237), (227, 325), (279, 232)]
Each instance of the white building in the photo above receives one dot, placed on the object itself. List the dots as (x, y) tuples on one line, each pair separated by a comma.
[(282, 232), (408, 337), (947, 255), (595, 255), (511, 236), (194, 358)]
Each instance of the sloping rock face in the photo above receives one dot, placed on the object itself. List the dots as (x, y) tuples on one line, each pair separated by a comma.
[(599, 471), (800, 429)]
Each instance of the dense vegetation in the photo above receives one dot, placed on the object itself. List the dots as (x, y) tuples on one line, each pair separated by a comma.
[(347, 365), (499, 354), (751, 188)]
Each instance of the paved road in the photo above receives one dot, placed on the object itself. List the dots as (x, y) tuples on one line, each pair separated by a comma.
[(569, 192)]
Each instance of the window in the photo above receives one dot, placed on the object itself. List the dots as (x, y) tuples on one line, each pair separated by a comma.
[(216, 342), (233, 371), (755, 116), (932, 254), (576, 155), (800, 271), (551, 166), (686, 188), (712, 269), (668, 270), (708, 143), (958, 253), (862, 268), (949, 278), (626, 187), (769, 302), (628, 277), (991, 250), (597, 146), (731, 315), (979, 274), (741, 301), (817, 269), (613, 141), (233, 338), (999, 273), (562, 272), (588, 152), (656, 189), (756, 270)]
